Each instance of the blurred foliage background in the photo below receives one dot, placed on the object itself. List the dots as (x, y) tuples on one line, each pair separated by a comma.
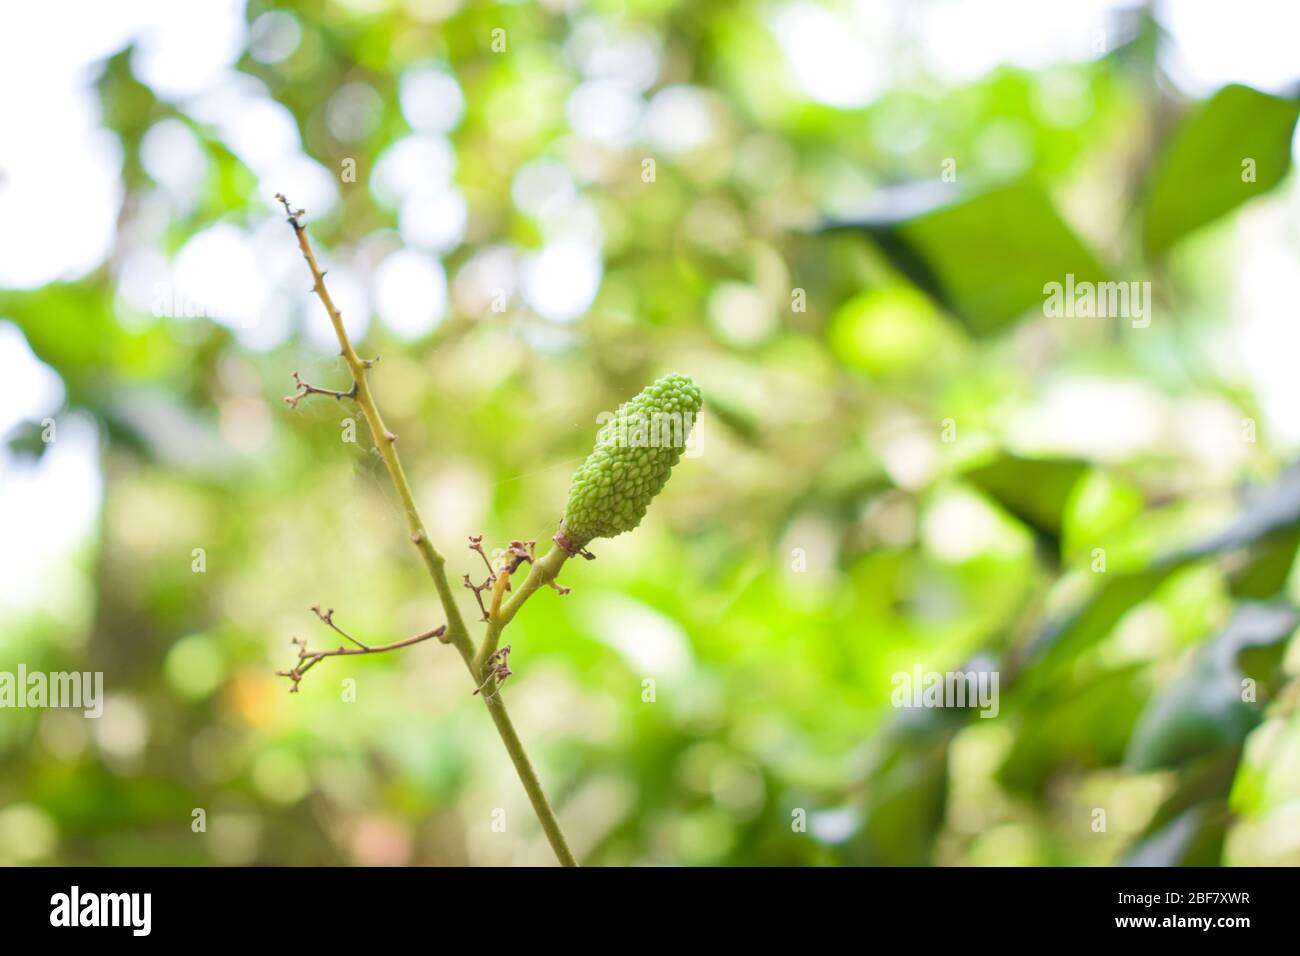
[(839, 219)]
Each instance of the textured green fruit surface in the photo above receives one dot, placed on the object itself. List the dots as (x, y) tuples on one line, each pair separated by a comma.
[(634, 453)]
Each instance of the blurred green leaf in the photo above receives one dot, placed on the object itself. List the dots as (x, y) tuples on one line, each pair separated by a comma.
[(1202, 710), (1267, 566), (1200, 175), (1268, 779), (907, 789), (1083, 728), (1266, 510), (1035, 490), (1188, 827), (1063, 638), (986, 257), (1195, 838)]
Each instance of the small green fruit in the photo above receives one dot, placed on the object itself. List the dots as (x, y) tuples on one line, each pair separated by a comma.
[(634, 453)]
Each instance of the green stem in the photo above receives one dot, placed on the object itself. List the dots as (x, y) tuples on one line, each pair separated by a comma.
[(541, 573), (523, 767), (457, 634)]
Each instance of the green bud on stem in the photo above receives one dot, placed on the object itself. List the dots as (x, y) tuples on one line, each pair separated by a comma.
[(634, 453)]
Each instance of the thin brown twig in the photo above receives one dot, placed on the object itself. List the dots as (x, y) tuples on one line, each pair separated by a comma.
[(305, 389), (476, 544), (478, 590), (312, 658), (328, 618)]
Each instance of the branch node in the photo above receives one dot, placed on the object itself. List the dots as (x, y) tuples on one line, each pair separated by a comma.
[(498, 669)]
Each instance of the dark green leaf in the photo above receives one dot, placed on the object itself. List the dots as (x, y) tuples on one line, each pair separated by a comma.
[(1202, 710), (1082, 728), (1035, 490), (986, 257)]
